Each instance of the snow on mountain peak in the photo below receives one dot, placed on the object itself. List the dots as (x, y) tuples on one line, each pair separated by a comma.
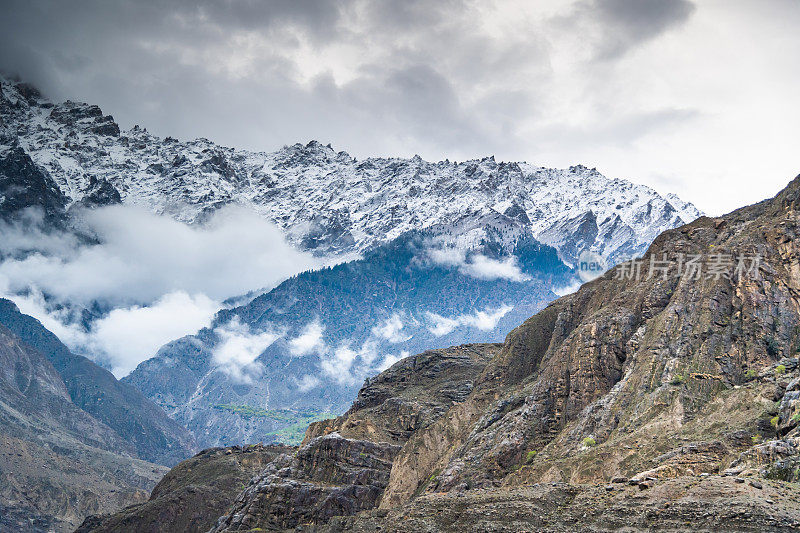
[(327, 201)]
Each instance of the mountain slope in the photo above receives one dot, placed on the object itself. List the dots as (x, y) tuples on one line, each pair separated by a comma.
[(57, 463), (141, 424), (355, 318), (327, 201)]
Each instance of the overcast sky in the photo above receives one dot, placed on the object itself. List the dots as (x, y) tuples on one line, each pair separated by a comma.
[(697, 98)]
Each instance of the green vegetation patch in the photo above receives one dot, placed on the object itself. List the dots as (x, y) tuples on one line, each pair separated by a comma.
[(678, 379), (294, 422)]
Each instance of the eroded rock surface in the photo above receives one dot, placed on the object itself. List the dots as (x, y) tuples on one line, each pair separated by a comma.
[(192, 495)]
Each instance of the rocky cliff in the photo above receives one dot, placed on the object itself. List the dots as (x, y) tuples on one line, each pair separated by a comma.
[(192, 495), (663, 395)]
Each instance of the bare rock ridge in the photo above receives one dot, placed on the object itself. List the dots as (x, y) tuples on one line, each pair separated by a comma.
[(637, 365), (192, 495)]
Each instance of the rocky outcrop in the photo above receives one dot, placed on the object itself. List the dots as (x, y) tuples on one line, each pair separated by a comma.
[(329, 476), (24, 185), (644, 402), (343, 465), (192, 495)]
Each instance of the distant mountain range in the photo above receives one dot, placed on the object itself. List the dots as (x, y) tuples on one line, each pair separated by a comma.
[(333, 328), (446, 252), (328, 201)]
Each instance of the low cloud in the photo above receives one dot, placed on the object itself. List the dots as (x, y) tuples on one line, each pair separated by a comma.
[(142, 256), (161, 279), (567, 289), (485, 320), (239, 348), (348, 362), (452, 257), (391, 330), (309, 341), (483, 267), (339, 364), (477, 265), (306, 383), (126, 336), (391, 359)]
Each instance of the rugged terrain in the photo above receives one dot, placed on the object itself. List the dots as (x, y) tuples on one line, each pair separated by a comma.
[(450, 252), (192, 495), (58, 463), (638, 403)]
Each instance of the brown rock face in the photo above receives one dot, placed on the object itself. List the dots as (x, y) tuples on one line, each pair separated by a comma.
[(192, 495), (343, 465), (636, 366), (329, 476)]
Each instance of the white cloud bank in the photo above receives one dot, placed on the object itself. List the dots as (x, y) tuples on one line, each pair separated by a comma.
[(240, 347), (391, 330), (485, 320), (162, 279), (142, 256), (477, 265), (127, 335)]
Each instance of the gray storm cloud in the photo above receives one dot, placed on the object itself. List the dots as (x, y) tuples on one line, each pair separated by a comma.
[(681, 95)]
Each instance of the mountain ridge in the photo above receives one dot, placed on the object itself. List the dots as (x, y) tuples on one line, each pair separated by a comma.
[(639, 402), (327, 201)]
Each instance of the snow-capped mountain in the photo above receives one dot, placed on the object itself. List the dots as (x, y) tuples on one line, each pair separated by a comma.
[(328, 201), (450, 252)]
